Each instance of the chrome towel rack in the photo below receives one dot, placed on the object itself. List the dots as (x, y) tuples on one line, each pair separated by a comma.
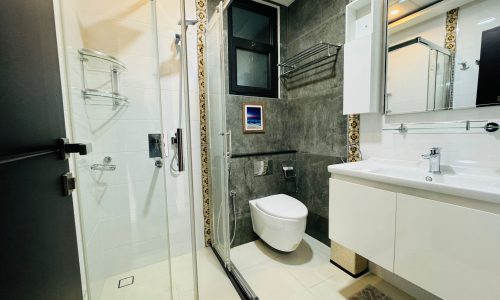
[(308, 57), (467, 126)]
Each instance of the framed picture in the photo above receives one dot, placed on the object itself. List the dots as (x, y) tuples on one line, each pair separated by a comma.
[(253, 117)]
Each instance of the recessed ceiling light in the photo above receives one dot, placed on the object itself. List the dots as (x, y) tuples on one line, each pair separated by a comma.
[(395, 12)]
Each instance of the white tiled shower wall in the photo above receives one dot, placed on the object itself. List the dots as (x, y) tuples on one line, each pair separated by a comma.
[(456, 146), (124, 219)]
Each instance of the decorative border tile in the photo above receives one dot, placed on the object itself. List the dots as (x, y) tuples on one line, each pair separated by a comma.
[(450, 43), (353, 138), (201, 15), (451, 30)]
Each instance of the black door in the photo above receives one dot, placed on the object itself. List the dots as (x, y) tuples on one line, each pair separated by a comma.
[(38, 247), (488, 89)]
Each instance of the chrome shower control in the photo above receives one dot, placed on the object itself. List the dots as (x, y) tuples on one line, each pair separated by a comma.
[(158, 164)]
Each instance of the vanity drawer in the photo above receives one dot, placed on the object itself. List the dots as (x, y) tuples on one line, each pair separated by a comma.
[(362, 219), (451, 251)]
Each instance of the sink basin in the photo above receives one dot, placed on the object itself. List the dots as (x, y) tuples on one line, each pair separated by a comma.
[(464, 179)]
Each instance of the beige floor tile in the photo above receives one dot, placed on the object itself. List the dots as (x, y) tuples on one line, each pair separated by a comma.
[(329, 289), (308, 265), (317, 245), (270, 281), (251, 254), (304, 295)]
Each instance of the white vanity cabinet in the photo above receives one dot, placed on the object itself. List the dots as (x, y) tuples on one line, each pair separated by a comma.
[(449, 246), (362, 219), (450, 250)]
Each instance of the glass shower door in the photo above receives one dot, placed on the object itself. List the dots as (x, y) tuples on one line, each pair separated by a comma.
[(114, 103), (220, 146), (219, 152)]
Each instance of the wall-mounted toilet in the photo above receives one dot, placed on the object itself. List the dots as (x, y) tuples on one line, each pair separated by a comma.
[(280, 220)]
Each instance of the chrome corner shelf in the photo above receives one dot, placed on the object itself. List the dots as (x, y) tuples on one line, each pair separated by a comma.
[(112, 66), (308, 58), (468, 126)]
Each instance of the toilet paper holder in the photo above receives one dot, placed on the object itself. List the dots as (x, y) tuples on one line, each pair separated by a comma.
[(288, 169)]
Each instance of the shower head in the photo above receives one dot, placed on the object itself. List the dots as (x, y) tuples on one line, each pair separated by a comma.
[(189, 22)]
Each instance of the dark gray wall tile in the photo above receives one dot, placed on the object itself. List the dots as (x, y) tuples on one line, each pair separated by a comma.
[(248, 187), (307, 118)]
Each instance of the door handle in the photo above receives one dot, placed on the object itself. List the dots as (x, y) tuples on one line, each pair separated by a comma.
[(177, 140), (66, 148), (229, 146)]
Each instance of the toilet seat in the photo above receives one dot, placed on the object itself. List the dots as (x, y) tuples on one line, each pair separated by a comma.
[(282, 206)]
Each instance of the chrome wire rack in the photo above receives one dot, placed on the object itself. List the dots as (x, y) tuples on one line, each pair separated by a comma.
[(309, 57)]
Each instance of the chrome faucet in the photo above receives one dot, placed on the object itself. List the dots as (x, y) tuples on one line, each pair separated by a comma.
[(434, 158)]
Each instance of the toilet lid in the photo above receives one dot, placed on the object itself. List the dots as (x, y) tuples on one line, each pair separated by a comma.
[(282, 206)]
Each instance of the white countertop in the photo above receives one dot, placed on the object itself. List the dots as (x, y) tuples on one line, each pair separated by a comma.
[(464, 179)]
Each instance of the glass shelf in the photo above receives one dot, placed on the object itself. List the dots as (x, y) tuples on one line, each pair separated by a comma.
[(103, 56), (117, 98), (101, 76)]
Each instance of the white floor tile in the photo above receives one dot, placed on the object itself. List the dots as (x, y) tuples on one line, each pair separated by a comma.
[(152, 282)]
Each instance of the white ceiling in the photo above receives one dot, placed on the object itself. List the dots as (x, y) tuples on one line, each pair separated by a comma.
[(399, 8)]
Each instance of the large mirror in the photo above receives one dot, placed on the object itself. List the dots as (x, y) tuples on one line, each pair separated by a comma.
[(442, 55)]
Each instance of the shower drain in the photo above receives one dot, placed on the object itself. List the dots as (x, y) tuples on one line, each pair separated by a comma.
[(126, 281)]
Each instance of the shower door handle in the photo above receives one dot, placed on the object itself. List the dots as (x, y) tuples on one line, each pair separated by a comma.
[(177, 140), (228, 147), (230, 144)]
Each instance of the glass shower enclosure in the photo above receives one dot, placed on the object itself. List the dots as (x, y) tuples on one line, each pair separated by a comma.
[(220, 145), (115, 80)]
